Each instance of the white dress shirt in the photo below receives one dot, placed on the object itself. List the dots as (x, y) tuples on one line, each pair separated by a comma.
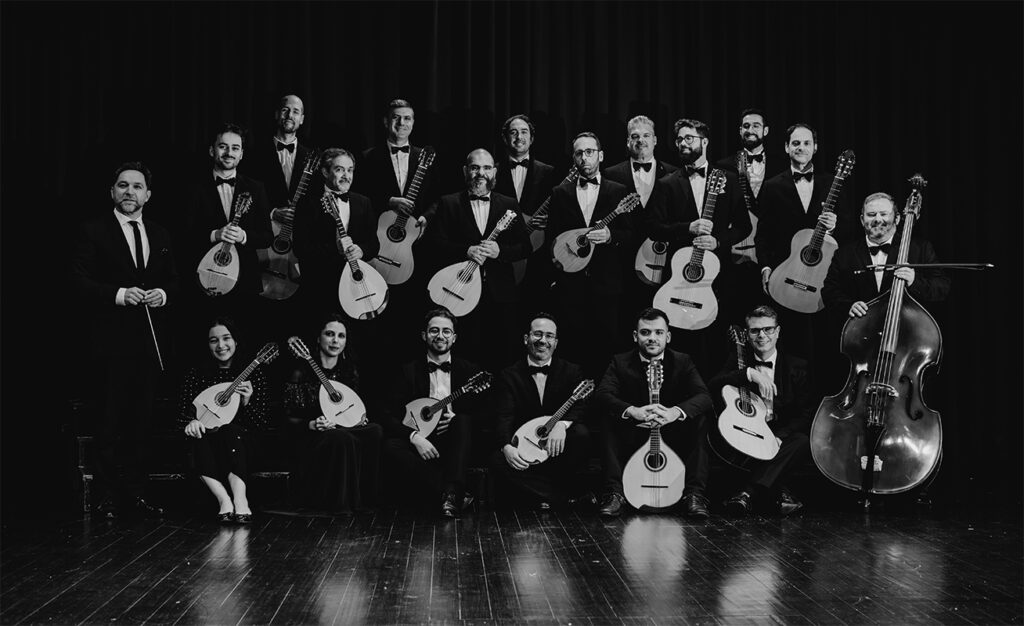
[(541, 380), (587, 197), (643, 181), (226, 192), (804, 188), (480, 212), (287, 159), (519, 177), (129, 236), (344, 210), (755, 170), (441, 382), (400, 163), (879, 258), (698, 184)]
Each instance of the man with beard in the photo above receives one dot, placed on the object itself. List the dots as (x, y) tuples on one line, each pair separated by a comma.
[(425, 467), (586, 301), (683, 413), (459, 231), (675, 217), (124, 273), (278, 163), (534, 387)]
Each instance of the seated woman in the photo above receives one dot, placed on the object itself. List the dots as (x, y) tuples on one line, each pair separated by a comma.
[(222, 453), (337, 466)]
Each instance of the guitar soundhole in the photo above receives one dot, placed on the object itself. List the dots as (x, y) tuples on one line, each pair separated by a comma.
[(542, 432), (222, 258), (357, 275), (746, 408), (655, 462), (282, 245), (396, 234), (659, 247), (693, 273), (584, 248), (810, 257), (425, 414)]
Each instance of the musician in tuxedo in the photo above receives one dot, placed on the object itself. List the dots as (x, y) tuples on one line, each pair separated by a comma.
[(675, 216), (461, 225), (586, 301), (278, 161), (433, 467), (533, 387), (781, 380), (623, 399), (124, 273)]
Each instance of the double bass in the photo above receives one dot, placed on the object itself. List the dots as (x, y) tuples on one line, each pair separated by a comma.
[(878, 436)]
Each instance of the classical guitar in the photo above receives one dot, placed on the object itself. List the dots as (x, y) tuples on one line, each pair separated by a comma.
[(279, 264), (338, 402), (572, 250), (363, 293), (649, 263), (423, 414), (687, 298), (394, 261), (743, 251), (655, 476), (744, 422), (537, 234), (218, 269), (796, 283), (531, 439), (218, 404), (458, 286)]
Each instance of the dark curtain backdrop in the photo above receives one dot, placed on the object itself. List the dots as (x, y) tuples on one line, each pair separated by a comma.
[(911, 87)]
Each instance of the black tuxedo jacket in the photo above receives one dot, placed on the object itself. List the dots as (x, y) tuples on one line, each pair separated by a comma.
[(842, 287), (517, 400), (264, 166), (672, 207), (375, 179), (205, 215), (101, 265), (413, 382), (454, 230), (773, 166), (782, 215), (540, 180), (625, 384), (623, 173), (604, 273), (792, 406)]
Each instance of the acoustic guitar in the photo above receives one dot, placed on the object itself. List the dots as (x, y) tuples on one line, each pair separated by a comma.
[(280, 266), (531, 439), (362, 292), (218, 269), (655, 476), (458, 286), (395, 261), (796, 283), (537, 234), (338, 402), (422, 414), (649, 263), (687, 298), (572, 250), (743, 251), (744, 422), (218, 404)]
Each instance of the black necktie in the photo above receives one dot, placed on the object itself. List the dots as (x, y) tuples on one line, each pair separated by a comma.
[(539, 369), (641, 166), (340, 196), (397, 149), (760, 363), (139, 263), (583, 182), (885, 247), (755, 157), (290, 147), (479, 198), (444, 367), (525, 164), (218, 181), (809, 175), (698, 171)]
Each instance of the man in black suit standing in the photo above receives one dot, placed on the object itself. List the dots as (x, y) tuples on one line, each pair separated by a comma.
[(683, 413), (534, 387), (781, 380), (278, 162), (585, 301), (459, 232), (124, 273)]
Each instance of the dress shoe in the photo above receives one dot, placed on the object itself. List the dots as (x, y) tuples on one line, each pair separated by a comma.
[(611, 505), (583, 501), (243, 518), (140, 507), (696, 506), (739, 504), (788, 504), (226, 518), (544, 506), (450, 506), (467, 501)]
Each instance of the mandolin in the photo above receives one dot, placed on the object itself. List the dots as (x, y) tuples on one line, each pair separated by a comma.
[(744, 422), (796, 283), (572, 250), (394, 261), (218, 269), (362, 292), (458, 286), (687, 298), (422, 414), (338, 402), (218, 404), (743, 251), (279, 264), (531, 439), (537, 234)]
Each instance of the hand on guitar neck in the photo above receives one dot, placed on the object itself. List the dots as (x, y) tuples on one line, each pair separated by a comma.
[(482, 251), (702, 238), (230, 233), (283, 214)]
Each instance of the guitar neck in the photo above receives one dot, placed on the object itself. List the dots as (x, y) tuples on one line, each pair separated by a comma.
[(559, 414), (607, 219), (541, 211), (417, 179), (748, 191), (223, 396), (741, 363), (324, 382), (697, 257), (828, 206), (333, 210)]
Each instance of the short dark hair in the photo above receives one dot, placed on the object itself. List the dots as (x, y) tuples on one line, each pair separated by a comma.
[(762, 311), (746, 112), (440, 312), (587, 133), (397, 103), (138, 166), (791, 129), (650, 313), (541, 315), (518, 116), (702, 129), (229, 128), (332, 153)]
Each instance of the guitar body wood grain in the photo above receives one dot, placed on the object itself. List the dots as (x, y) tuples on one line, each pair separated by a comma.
[(690, 305)]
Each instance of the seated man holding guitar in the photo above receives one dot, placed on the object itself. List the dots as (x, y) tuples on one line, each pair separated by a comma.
[(681, 413), (434, 463), (530, 394), (781, 381)]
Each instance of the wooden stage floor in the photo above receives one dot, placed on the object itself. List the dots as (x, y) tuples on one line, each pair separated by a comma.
[(397, 567)]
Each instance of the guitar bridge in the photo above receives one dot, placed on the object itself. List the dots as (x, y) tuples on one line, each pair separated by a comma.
[(686, 303), (452, 293), (385, 260), (801, 286)]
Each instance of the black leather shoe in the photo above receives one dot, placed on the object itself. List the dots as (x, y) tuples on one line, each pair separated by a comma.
[(243, 518), (739, 504), (226, 518), (142, 508), (611, 505), (582, 501), (450, 506), (696, 506), (788, 504), (544, 506)]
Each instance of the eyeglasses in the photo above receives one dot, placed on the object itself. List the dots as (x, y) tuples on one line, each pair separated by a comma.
[(444, 332), (589, 152), (767, 330), (687, 139), (542, 335)]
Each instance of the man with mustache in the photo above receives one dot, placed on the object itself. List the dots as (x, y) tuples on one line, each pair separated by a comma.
[(278, 162)]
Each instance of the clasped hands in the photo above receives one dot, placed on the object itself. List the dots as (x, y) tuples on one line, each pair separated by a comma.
[(652, 415), (134, 296), (482, 251)]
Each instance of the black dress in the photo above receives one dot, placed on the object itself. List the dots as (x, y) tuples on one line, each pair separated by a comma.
[(336, 470)]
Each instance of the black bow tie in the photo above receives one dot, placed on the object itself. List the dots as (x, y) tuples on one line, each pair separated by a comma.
[(218, 181), (479, 198), (760, 363), (525, 164), (539, 369), (698, 171), (641, 166), (755, 157), (340, 196), (290, 147), (397, 149), (809, 175), (584, 181), (885, 247), (444, 367)]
